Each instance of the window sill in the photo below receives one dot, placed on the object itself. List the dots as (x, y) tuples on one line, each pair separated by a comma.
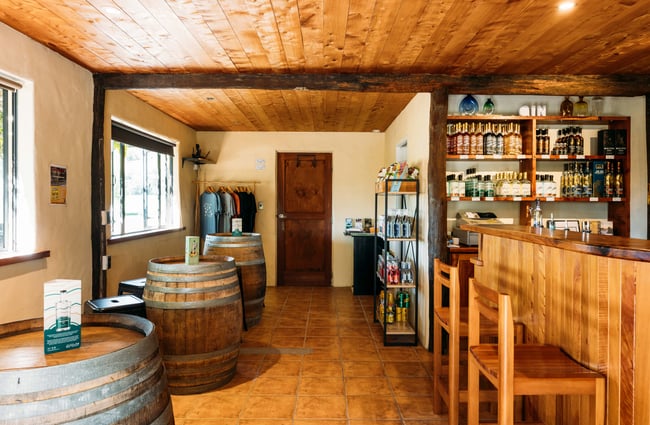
[(17, 257), (143, 235)]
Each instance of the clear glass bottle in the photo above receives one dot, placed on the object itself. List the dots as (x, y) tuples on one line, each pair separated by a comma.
[(581, 107), (525, 185), (551, 187)]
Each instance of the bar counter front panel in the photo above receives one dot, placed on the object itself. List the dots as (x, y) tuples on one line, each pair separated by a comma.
[(586, 293)]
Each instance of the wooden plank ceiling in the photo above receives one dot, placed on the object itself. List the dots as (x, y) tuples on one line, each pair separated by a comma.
[(329, 37)]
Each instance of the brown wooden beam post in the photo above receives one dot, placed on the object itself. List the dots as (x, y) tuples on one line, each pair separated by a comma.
[(97, 195), (436, 188), (647, 159)]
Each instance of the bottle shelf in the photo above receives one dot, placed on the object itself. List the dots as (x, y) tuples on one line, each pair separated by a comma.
[(488, 157), (398, 328), (490, 198), (579, 157)]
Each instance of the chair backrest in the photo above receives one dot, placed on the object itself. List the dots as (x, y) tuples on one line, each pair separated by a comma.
[(489, 304)]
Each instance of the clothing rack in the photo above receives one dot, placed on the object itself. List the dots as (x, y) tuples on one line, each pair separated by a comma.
[(201, 185)]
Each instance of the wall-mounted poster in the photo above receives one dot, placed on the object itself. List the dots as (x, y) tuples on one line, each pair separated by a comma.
[(58, 184)]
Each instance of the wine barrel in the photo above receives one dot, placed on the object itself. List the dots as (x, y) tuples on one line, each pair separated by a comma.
[(116, 376), (198, 315), (248, 253)]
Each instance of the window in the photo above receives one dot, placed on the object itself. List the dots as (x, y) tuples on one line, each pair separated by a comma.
[(8, 110), (142, 172)]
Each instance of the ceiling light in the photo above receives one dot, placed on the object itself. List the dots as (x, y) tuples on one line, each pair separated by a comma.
[(566, 5)]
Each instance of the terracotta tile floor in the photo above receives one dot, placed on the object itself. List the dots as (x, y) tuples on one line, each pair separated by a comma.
[(317, 358)]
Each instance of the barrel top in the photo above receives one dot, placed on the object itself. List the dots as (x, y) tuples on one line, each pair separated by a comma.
[(21, 343), (177, 264), (231, 237)]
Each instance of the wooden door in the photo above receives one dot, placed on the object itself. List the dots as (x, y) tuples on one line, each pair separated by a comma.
[(304, 219)]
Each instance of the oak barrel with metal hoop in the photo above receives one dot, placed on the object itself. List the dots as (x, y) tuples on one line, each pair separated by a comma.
[(198, 315), (116, 376), (248, 253)]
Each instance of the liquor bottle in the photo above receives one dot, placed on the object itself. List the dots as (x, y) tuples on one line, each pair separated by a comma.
[(479, 139), (577, 180), (515, 184), (489, 186), (564, 183), (518, 140), (581, 107), (619, 189), (580, 141), (465, 137), (451, 139), (547, 141), (489, 140), (571, 141), (480, 185), (566, 107), (540, 185), (472, 139), (500, 147), (587, 180), (525, 185), (609, 180), (551, 186), (506, 185), (539, 142)]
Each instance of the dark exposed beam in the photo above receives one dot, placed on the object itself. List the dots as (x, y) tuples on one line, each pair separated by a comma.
[(587, 85), (97, 197)]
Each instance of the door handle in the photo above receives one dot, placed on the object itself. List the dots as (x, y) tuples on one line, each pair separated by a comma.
[(282, 215)]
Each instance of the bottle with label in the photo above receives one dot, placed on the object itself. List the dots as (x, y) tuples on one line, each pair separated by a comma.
[(619, 189), (62, 312), (551, 186), (566, 107), (489, 186), (587, 181), (525, 185), (609, 180)]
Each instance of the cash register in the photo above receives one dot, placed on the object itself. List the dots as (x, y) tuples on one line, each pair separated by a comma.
[(473, 217)]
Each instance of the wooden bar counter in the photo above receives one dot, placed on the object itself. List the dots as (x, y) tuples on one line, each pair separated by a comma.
[(589, 294)]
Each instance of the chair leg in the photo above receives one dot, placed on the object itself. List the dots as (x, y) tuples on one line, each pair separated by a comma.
[(437, 367), (454, 381), (599, 402), (472, 392)]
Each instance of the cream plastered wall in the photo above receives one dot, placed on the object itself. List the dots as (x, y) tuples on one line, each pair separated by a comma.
[(412, 127), (356, 159), (54, 128), (129, 258)]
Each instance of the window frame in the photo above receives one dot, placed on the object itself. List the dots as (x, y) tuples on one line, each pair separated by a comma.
[(124, 136), (8, 241)]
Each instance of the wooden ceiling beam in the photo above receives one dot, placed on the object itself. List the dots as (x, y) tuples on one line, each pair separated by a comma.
[(557, 85)]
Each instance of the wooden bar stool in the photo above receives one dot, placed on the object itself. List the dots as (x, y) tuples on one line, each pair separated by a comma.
[(521, 369), (453, 319)]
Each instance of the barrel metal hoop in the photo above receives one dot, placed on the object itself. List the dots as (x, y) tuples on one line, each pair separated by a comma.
[(201, 356), (171, 290), (190, 305), (189, 277)]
